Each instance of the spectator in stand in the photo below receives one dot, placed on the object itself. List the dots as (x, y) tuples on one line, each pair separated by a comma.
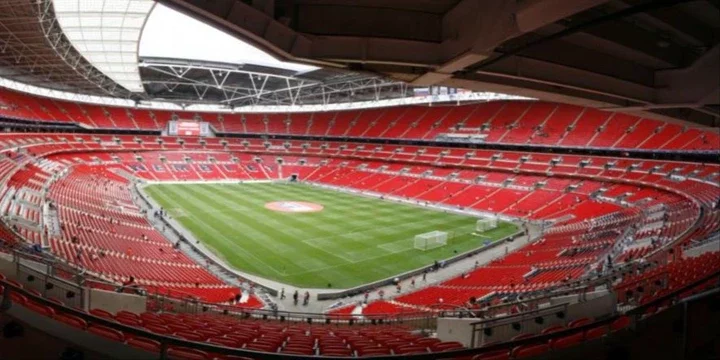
[(127, 283)]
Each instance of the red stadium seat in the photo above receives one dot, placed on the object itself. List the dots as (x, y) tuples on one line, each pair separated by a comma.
[(448, 345), (493, 355), (18, 298), (181, 353), (40, 309), (71, 320), (567, 341), (579, 322), (595, 333), (227, 342), (106, 332), (621, 323), (526, 351), (102, 313), (552, 329), (144, 344)]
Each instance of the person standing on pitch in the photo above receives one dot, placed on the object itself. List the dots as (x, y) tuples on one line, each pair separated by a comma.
[(296, 296)]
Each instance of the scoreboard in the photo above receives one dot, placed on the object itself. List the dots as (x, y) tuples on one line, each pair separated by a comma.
[(188, 128)]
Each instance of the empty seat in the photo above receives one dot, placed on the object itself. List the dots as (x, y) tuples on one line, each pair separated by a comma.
[(447, 345), (144, 344), (529, 350), (567, 341), (579, 322), (227, 342), (106, 332), (40, 309), (493, 355), (552, 329), (180, 353), (71, 320), (102, 313), (621, 323), (410, 349)]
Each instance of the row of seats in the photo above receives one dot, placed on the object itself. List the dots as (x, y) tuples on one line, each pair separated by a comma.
[(645, 170), (512, 122)]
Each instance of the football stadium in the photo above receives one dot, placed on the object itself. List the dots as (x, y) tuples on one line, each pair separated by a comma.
[(334, 179)]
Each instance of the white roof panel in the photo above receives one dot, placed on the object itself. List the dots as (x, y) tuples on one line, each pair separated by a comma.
[(107, 34)]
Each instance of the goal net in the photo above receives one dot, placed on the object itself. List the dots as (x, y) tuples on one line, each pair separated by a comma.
[(485, 224), (431, 240)]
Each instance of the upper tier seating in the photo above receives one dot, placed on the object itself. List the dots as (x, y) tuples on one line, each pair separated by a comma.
[(511, 122)]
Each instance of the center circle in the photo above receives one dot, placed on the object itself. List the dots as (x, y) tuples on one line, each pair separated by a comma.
[(293, 206)]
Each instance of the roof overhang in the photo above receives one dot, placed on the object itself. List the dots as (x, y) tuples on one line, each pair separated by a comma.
[(107, 34)]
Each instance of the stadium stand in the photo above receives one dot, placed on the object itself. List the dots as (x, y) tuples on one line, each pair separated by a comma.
[(514, 122), (104, 233), (607, 166)]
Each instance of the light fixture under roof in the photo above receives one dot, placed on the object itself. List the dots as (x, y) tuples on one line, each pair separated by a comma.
[(107, 33)]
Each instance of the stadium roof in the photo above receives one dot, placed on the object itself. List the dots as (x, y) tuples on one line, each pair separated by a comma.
[(144, 52), (653, 58), (107, 34), (649, 56)]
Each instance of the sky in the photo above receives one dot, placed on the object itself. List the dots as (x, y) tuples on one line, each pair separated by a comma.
[(171, 34)]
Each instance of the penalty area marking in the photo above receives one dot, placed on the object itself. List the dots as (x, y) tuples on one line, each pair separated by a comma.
[(294, 206)]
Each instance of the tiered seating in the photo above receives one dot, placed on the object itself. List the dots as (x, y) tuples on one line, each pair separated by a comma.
[(644, 287), (512, 122), (264, 336), (118, 244), (588, 215)]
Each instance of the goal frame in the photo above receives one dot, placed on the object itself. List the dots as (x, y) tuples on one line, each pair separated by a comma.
[(431, 240), (485, 224)]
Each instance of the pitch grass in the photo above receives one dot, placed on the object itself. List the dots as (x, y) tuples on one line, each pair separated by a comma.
[(354, 240)]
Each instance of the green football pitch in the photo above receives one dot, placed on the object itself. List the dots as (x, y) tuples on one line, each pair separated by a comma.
[(353, 240)]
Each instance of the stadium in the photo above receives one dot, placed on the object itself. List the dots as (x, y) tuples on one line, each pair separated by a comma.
[(334, 179)]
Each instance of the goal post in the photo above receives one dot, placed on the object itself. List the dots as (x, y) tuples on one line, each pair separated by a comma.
[(431, 240), (485, 224)]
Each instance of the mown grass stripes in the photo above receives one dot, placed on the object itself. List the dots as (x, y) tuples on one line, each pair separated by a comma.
[(354, 240)]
